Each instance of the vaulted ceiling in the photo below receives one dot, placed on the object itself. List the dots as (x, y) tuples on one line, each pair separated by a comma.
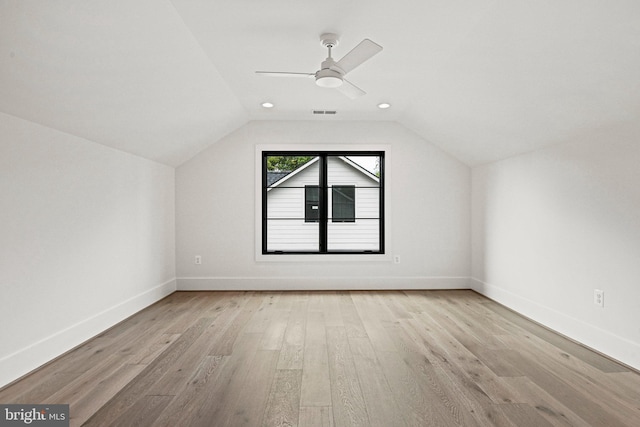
[(163, 79)]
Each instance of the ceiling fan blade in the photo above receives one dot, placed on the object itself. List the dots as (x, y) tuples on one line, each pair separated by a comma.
[(284, 74), (350, 90), (362, 52)]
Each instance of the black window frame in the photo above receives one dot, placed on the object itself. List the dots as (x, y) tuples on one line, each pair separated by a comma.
[(324, 188)]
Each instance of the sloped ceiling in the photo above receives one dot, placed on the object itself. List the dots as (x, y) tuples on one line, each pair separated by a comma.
[(483, 80)]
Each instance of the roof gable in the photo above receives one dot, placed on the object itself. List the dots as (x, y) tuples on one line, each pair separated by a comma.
[(293, 173)]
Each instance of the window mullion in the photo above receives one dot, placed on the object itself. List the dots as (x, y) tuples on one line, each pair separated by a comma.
[(324, 200)]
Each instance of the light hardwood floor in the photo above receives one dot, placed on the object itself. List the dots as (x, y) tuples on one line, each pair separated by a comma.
[(415, 358)]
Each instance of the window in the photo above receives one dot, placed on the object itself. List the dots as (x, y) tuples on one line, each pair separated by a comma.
[(322, 202), (311, 203), (343, 203)]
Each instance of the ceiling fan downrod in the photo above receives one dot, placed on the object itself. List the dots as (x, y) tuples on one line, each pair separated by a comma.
[(329, 74)]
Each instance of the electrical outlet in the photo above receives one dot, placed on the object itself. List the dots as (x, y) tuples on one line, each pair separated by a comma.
[(198, 259), (598, 297), (396, 259)]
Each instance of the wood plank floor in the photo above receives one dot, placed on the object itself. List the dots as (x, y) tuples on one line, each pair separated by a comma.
[(394, 358)]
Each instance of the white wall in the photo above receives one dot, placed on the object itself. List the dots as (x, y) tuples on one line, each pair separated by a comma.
[(87, 240), (551, 226), (428, 205)]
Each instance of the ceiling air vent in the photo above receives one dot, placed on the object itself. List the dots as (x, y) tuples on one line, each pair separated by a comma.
[(328, 112)]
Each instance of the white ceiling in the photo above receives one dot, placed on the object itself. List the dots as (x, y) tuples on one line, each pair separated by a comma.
[(481, 79)]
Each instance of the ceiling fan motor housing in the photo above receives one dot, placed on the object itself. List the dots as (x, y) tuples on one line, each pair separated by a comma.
[(329, 74)]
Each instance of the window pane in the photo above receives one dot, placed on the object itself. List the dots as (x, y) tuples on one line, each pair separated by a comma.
[(292, 235), (362, 235), (287, 229), (288, 178)]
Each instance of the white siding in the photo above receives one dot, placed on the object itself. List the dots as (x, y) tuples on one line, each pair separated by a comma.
[(293, 233)]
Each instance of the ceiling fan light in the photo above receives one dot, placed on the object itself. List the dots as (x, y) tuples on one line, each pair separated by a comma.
[(328, 78), (329, 81)]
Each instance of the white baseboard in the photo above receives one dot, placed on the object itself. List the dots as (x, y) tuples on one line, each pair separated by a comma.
[(605, 342), (25, 360), (318, 283)]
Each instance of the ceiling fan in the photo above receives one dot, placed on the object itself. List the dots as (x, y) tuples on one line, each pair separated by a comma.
[(331, 73)]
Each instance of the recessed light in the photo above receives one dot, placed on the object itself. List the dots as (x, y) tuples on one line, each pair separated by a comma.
[(384, 106), (267, 105)]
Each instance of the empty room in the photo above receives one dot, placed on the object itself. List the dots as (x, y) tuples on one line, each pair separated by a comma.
[(294, 213)]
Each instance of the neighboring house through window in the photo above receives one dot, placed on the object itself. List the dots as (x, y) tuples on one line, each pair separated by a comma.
[(322, 202)]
